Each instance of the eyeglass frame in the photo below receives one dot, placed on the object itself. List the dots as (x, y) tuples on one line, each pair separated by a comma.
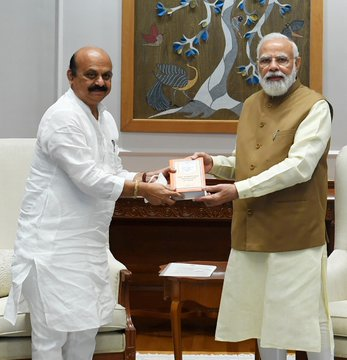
[(277, 59)]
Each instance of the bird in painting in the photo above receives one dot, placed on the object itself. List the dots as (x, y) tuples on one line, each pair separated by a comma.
[(236, 23), (154, 38), (290, 29), (174, 77)]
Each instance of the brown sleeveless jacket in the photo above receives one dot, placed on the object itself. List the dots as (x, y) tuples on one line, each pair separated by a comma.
[(289, 219)]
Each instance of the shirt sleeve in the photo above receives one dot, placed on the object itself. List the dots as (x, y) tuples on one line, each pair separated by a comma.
[(310, 142), (123, 173), (224, 166), (68, 148)]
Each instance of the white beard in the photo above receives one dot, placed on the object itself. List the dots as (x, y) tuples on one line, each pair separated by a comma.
[(278, 88)]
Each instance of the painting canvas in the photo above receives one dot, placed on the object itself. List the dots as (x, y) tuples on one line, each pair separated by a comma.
[(188, 65)]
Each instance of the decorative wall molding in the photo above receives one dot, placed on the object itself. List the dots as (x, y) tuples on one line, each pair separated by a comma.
[(129, 208)]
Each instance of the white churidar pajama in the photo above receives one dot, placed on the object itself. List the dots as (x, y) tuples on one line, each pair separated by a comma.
[(62, 236), (49, 344), (277, 301)]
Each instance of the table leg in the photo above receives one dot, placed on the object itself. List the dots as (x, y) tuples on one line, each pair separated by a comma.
[(176, 328), (257, 354), (301, 355)]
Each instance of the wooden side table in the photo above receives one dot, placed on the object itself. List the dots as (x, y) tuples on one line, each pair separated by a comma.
[(204, 292)]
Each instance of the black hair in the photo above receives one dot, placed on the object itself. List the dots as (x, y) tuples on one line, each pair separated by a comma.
[(73, 65)]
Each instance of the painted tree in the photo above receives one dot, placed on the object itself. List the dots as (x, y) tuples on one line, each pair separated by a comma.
[(213, 94)]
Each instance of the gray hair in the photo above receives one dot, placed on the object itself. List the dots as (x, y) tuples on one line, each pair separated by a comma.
[(276, 35)]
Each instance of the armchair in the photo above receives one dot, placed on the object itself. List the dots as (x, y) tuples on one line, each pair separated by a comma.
[(337, 261), (115, 341)]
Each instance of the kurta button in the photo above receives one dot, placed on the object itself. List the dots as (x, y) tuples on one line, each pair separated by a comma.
[(252, 167), (268, 105), (258, 146), (262, 124), (249, 212)]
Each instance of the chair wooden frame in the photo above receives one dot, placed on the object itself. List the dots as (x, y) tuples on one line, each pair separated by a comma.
[(129, 352)]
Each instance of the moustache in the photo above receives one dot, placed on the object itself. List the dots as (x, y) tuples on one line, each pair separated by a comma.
[(98, 88), (275, 74)]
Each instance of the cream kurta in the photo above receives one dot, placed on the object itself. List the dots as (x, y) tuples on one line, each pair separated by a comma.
[(275, 296), (75, 179), (310, 141)]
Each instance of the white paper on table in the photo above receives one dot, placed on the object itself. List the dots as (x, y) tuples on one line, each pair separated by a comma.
[(188, 270)]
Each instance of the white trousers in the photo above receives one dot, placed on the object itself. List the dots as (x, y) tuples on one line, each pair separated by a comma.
[(49, 344)]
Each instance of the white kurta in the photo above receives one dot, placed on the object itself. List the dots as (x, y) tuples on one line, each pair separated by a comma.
[(275, 296), (75, 179)]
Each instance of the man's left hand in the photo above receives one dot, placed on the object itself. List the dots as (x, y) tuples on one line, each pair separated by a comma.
[(219, 194)]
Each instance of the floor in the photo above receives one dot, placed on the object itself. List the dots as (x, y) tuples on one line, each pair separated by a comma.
[(197, 336)]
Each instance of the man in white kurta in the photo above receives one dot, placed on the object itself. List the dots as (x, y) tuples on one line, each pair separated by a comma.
[(60, 263), (274, 287)]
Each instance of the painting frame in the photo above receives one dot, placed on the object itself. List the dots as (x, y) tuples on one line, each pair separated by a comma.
[(185, 125)]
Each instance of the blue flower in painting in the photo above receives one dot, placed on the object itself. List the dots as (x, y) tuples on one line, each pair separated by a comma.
[(218, 6), (204, 35), (192, 52), (248, 35), (184, 2), (183, 39), (161, 9), (252, 19), (196, 41), (241, 5), (285, 9), (177, 46), (242, 70), (253, 80), (262, 2)]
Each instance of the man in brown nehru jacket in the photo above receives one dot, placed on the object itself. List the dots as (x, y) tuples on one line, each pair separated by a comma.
[(275, 282)]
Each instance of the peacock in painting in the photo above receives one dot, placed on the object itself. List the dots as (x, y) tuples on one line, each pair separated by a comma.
[(173, 76)]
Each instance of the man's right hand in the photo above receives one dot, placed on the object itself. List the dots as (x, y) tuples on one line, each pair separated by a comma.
[(157, 194), (208, 162)]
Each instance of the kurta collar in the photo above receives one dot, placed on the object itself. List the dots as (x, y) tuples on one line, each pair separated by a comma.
[(84, 106)]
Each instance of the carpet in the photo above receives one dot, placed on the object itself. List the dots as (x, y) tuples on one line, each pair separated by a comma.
[(201, 357)]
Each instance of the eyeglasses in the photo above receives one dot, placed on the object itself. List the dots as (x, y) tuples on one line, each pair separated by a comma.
[(281, 60)]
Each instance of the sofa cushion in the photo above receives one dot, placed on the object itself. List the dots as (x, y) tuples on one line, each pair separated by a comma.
[(6, 256), (340, 348), (338, 313), (22, 327), (110, 342), (118, 321)]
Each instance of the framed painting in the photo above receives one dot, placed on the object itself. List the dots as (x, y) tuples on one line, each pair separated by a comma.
[(188, 65)]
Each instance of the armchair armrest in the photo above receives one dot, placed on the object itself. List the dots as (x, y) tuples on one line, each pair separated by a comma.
[(6, 256), (115, 267), (123, 299), (337, 275), (120, 278)]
